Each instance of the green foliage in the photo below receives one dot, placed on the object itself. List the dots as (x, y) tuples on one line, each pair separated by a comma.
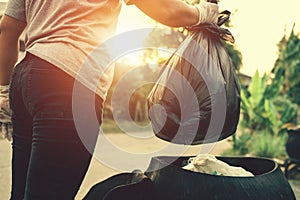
[(288, 66), (263, 108), (252, 107), (286, 109), (262, 144), (232, 152), (266, 145), (276, 87), (256, 89), (269, 105), (235, 55), (264, 116), (241, 144)]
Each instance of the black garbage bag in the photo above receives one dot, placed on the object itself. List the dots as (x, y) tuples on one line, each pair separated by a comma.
[(197, 97)]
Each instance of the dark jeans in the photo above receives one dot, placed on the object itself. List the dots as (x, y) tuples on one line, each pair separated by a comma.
[(49, 160)]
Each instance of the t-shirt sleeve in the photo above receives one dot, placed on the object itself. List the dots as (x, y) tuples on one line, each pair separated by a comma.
[(16, 9)]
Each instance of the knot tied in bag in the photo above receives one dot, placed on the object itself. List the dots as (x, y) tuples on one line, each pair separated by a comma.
[(215, 30)]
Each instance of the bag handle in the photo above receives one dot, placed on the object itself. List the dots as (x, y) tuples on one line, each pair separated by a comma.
[(212, 1), (223, 17)]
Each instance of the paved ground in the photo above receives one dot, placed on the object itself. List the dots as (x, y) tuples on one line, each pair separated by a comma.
[(296, 187), (98, 171)]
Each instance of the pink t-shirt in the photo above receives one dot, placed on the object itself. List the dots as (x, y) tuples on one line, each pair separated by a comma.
[(66, 32)]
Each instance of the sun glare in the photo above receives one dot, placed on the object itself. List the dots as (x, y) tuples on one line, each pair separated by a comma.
[(258, 26)]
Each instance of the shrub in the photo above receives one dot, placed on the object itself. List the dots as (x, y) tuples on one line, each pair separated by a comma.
[(263, 144)]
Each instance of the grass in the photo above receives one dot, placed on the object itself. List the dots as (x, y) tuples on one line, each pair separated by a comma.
[(266, 145), (261, 144)]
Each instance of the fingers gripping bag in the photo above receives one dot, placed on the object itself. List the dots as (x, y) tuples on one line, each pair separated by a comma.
[(196, 98)]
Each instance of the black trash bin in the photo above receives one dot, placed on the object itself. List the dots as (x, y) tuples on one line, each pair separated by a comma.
[(293, 150), (293, 143), (173, 182)]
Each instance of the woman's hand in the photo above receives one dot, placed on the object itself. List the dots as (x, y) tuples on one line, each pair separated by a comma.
[(208, 12), (5, 111)]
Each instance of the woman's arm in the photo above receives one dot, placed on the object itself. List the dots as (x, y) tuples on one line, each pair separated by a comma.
[(176, 13), (10, 31)]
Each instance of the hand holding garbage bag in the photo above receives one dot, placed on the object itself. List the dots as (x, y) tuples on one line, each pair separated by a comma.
[(208, 12), (5, 113), (197, 98)]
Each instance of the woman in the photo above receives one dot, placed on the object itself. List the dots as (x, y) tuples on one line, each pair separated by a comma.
[(49, 160)]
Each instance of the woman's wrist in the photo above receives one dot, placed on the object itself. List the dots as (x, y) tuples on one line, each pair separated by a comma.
[(207, 13), (198, 16)]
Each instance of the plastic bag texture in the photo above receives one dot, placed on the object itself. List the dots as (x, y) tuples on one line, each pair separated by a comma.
[(196, 98)]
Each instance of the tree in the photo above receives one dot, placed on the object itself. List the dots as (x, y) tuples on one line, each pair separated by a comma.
[(269, 104), (288, 66), (263, 108)]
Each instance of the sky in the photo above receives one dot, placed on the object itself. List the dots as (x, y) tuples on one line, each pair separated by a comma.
[(258, 26)]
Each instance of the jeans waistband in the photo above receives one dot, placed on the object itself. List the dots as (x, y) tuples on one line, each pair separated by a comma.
[(29, 56)]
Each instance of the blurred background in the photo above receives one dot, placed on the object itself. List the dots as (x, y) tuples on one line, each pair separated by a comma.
[(266, 55)]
